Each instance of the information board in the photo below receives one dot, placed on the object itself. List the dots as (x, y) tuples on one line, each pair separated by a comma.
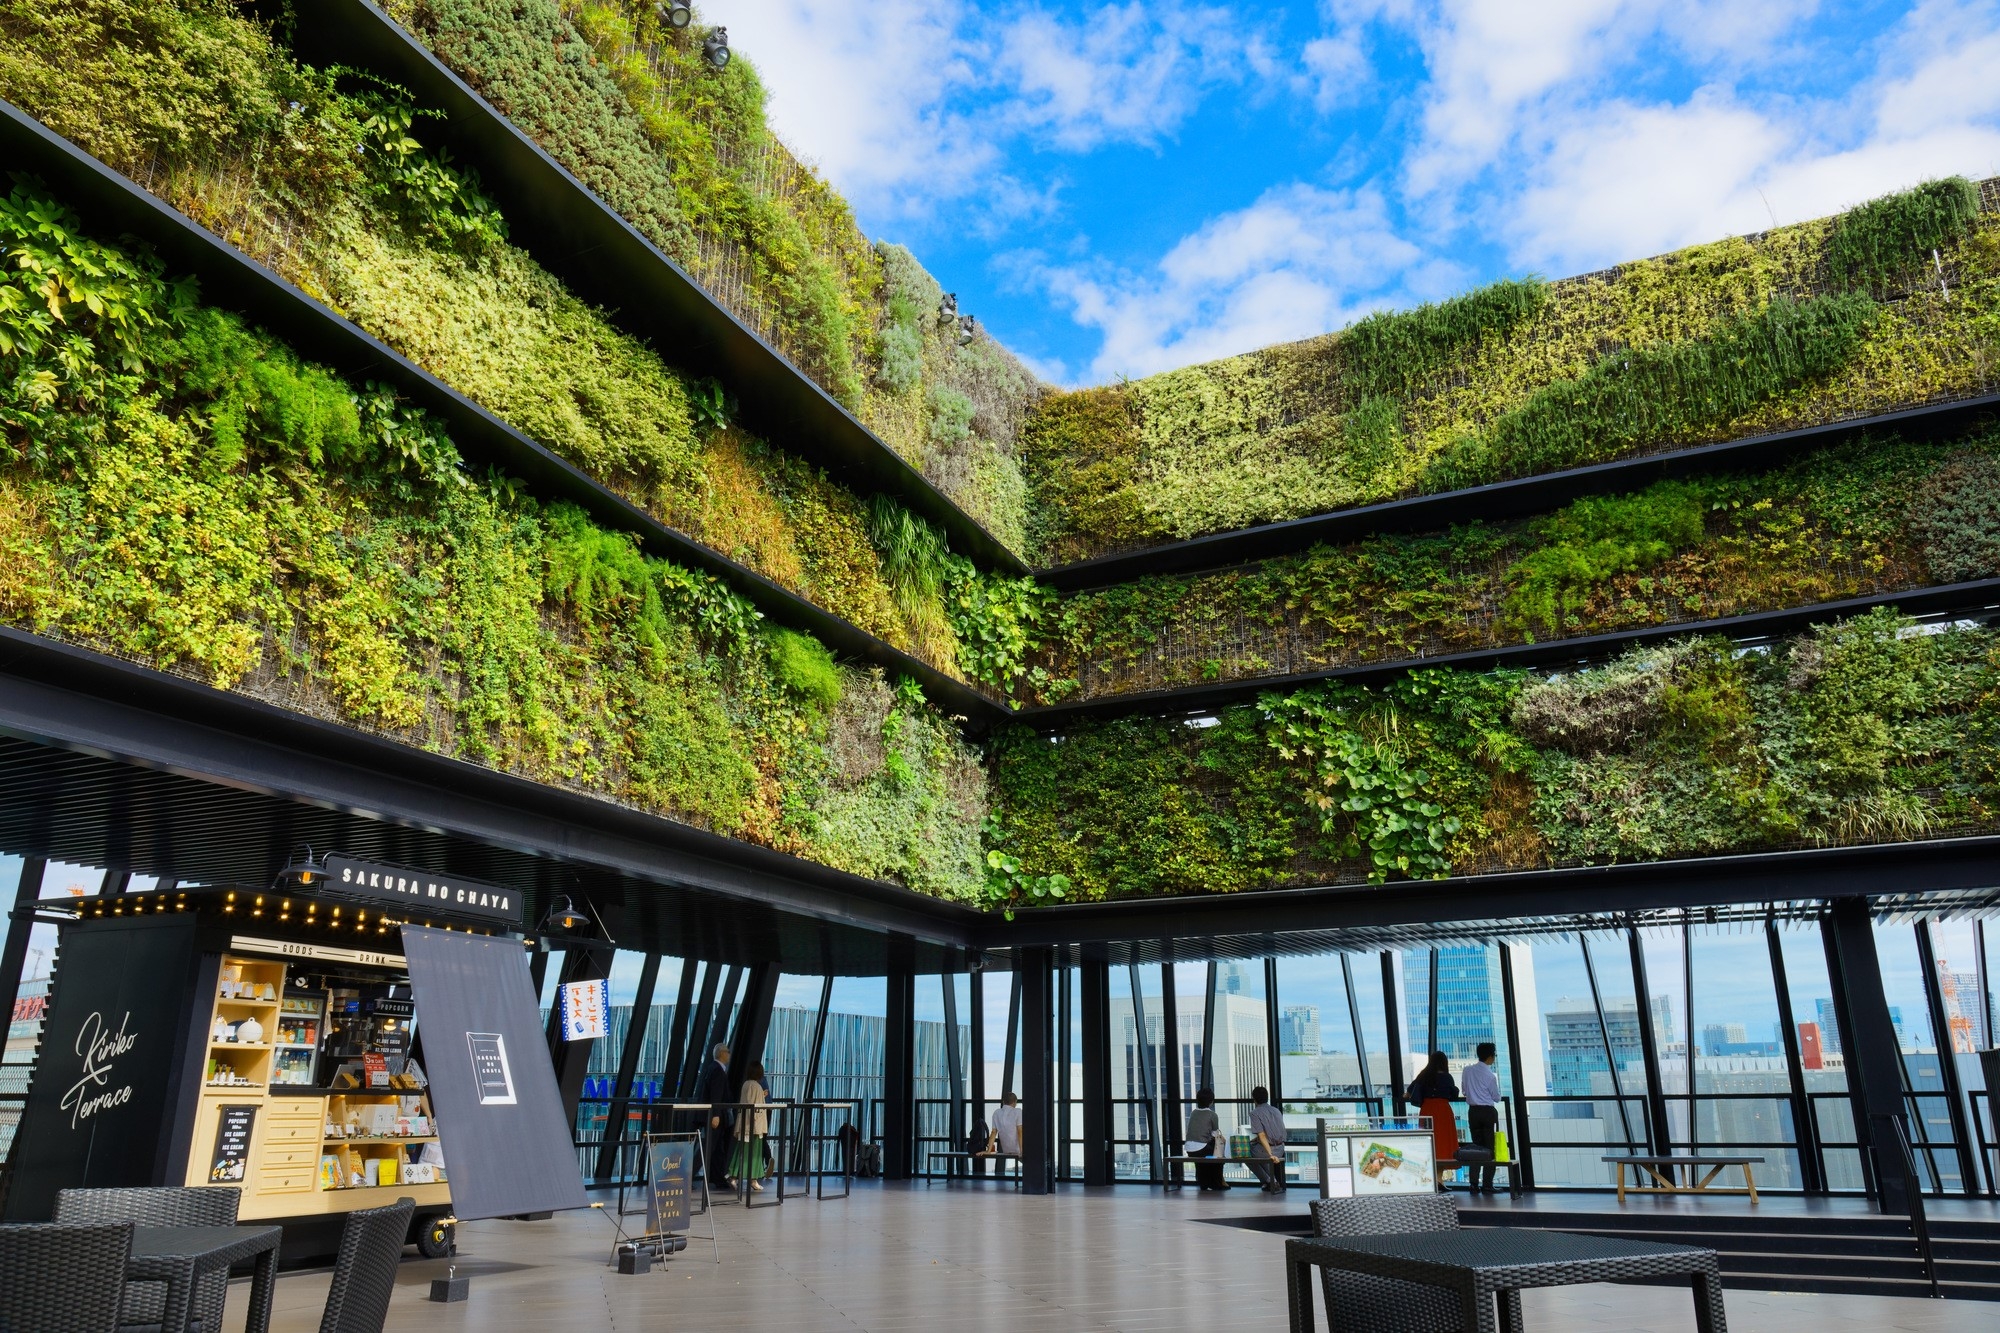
[(1362, 1160), (232, 1144)]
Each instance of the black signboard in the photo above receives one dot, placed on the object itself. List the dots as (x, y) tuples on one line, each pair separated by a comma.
[(112, 1048), (669, 1177), (506, 1140), (232, 1144), (419, 891)]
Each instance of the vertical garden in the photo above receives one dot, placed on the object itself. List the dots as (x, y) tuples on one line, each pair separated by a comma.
[(182, 489)]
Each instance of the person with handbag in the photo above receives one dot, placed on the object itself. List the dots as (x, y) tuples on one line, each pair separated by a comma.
[(1433, 1091), (1204, 1132), (749, 1162), (1482, 1112)]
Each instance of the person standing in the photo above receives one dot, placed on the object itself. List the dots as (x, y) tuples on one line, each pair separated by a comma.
[(749, 1162), (1482, 1112), (1267, 1141), (1433, 1091), (1202, 1128), (715, 1090)]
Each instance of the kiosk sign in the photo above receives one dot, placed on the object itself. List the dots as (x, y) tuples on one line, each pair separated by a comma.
[(670, 1174), (418, 890), (586, 1010)]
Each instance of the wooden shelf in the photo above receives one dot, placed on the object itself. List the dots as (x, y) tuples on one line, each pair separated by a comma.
[(391, 1138), (239, 1046)]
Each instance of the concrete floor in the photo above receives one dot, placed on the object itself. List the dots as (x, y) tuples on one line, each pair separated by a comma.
[(977, 1257)]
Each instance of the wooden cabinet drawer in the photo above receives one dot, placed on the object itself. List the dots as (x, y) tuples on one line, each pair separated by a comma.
[(288, 1157), (292, 1131), (297, 1182)]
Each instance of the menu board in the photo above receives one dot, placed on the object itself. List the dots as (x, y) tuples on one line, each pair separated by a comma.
[(232, 1144)]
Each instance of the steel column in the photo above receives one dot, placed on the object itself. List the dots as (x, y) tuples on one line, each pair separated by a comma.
[(899, 1055), (1094, 1004), (1954, 1090), (1868, 1044), (1035, 973), (1812, 1170), (1394, 1020), (628, 1066), (1661, 1132), (1522, 1151)]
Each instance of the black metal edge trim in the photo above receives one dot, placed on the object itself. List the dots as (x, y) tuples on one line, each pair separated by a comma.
[(604, 259), (233, 280), (1514, 498), (1598, 891), (75, 698), (1749, 627)]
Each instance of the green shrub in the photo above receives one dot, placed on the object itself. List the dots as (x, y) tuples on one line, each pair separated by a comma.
[(1596, 539), (1954, 517), (1881, 242), (1393, 353), (804, 666), (1644, 397)]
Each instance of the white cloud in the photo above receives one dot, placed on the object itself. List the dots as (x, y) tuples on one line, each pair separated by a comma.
[(1298, 261)]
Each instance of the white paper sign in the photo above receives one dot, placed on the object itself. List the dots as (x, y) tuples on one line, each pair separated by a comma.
[(586, 1010)]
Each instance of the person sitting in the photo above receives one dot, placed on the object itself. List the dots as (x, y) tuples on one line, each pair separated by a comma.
[(1433, 1092), (1005, 1136), (1267, 1141), (1202, 1128)]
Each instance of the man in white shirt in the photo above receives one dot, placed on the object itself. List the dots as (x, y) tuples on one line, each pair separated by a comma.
[(1482, 1110), (1006, 1135)]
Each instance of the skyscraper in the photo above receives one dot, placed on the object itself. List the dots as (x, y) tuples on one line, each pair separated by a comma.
[(1829, 1026), (1470, 1008), (1298, 1029)]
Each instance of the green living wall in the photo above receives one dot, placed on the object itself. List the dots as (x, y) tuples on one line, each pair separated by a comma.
[(321, 177), (182, 491), (1891, 304), (683, 152), (1875, 730), (1875, 516)]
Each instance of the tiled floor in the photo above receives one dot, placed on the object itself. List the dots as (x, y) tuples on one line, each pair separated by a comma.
[(983, 1257)]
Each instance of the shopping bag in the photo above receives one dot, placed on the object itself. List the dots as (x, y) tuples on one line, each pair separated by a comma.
[(1500, 1146)]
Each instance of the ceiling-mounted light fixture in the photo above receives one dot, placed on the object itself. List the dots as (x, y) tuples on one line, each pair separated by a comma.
[(968, 329), (301, 872), (715, 48), (674, 14)]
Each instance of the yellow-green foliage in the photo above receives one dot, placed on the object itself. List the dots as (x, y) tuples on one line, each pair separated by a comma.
[(1291, 431), (181, 490), (331, 190)]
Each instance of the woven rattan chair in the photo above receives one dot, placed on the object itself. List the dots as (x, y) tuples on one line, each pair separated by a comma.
[(1357, 1303), (160, 1206), (62, 1279), (371, 1245)]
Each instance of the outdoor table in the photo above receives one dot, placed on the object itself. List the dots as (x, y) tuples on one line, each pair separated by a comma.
[(1488, 1264), (1668, 1184), (180, 1255)]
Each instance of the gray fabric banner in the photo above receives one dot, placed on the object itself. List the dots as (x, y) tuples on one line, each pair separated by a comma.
[(507, 1146)]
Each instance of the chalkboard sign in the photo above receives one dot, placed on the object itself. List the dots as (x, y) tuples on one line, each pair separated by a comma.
[(669, 1174), (232, 1144)]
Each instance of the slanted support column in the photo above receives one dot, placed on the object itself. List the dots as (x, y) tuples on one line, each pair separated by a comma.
[(899, 1078), (1036, 976), (1868, 1044), (1094, 1006)]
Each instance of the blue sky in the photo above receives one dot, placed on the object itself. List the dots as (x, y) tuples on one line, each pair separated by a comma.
[(1118, 189)]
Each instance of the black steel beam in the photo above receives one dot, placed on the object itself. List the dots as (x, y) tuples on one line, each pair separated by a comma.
[(1662, 1134), (1505, 499), (89, 703), (1982, 595), (753, 1017), (604, 260), (233, 281), (628, 1066), (1236, 925), (1397, 1074), (1805, 1127)]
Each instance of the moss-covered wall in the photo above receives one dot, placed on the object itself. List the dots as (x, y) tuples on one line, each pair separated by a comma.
[(180, 490), (1738, 337)]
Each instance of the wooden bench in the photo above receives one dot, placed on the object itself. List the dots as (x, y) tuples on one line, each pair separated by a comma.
[(952, 1159), (1174, 1183), (1662, 1170)]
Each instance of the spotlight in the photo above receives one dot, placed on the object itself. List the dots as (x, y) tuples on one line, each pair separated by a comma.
[(968, 329), (947, 307), (301, 873), (674, 14), (715, 49)]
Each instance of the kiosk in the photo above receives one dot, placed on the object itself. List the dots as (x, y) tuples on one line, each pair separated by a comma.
[(275, 1040)]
